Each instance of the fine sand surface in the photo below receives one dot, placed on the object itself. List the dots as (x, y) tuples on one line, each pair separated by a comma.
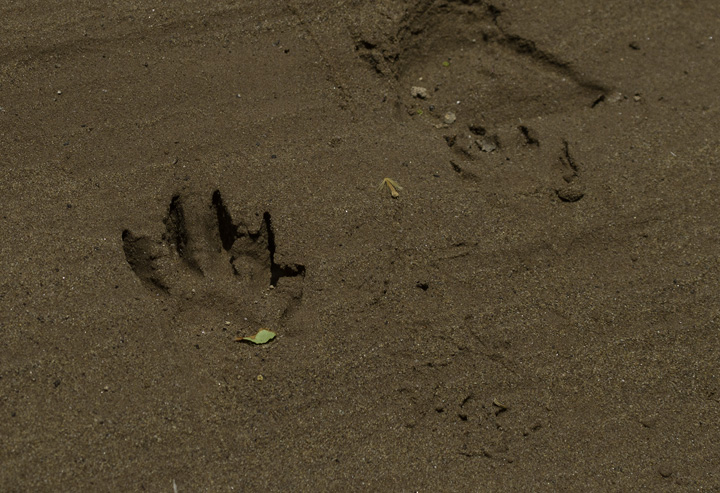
[(537, 310)]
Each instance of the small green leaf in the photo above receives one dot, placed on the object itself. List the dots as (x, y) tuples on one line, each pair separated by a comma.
[(261, 337), (446, 64)]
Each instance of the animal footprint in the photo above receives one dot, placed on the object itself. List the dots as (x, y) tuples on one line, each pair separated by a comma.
[(206, 258), (457, 66)]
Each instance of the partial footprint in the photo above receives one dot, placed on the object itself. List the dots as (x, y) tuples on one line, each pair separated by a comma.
[(466, 64), (207, 258), (452, 65)]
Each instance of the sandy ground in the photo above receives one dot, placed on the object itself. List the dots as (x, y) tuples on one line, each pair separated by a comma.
[(537, 310)]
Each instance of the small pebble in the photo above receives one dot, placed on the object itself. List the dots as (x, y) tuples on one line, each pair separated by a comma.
[(419, 92), (665, 470), (449, 118), (570, 193), (487, 144), (615, 97)]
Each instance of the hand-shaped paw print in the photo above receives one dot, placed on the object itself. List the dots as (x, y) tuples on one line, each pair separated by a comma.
[(206, 258)]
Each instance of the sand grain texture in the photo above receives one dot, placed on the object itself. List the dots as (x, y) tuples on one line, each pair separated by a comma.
[(536, 311)]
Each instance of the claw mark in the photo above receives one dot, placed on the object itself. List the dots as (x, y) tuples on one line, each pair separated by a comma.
[(176, 232), (530, 138), (228, 231), (568, 158), (276, 270)]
